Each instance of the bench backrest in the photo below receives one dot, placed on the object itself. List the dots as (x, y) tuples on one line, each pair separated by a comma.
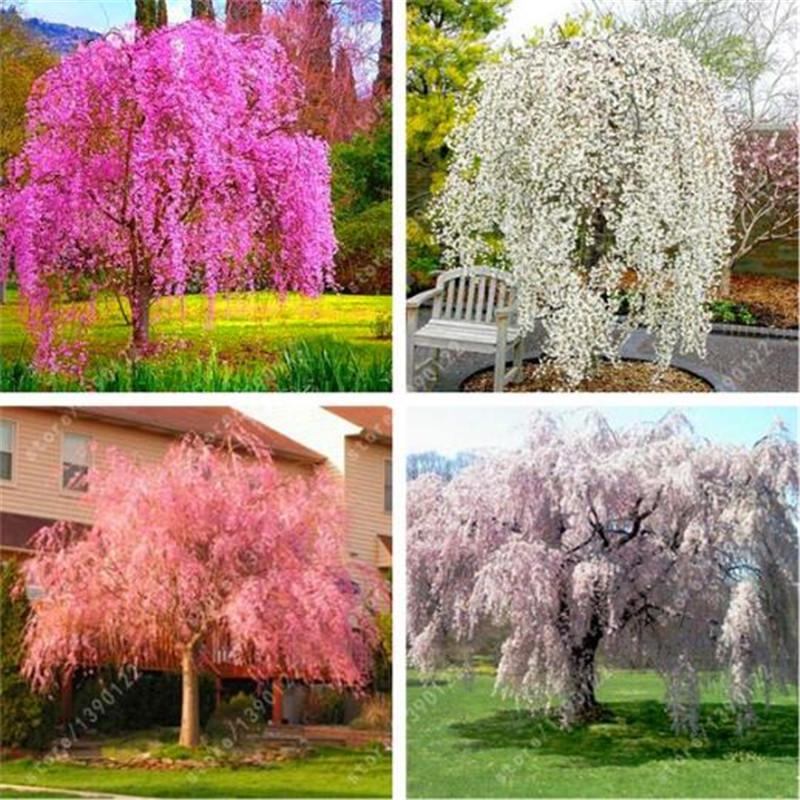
[(473, 296)]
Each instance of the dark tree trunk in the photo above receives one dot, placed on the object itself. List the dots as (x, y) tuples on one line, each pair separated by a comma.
[(583, 702), (139, 300), (202, 9), (161, 17), (146, 14), (383, 82)]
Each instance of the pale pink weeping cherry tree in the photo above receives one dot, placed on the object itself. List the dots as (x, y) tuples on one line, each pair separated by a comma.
[(649, 544), (157, 163), (212, 550)]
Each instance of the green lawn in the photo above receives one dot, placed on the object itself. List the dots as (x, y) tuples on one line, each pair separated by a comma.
[(464, 741), (249, 334), (331, 772)]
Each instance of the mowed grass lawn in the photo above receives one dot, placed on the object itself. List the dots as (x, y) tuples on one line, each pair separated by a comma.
[(464, 741), (330, 772), (248, 331)]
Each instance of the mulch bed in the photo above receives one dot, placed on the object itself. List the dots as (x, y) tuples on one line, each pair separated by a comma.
[(773, 301), (629, 376)]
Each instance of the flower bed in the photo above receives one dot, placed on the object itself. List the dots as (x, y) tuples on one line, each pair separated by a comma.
[(629, 376)]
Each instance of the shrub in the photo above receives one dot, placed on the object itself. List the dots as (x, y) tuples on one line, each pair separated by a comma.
[(324, 706), (152, 699), (28, 719), (424, 256), (376, 714), (382, 667), (364, 258), (362, 190), (227, 719), (735, 313)]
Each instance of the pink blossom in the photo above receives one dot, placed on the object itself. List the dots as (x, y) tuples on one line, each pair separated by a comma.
[(164, 159)]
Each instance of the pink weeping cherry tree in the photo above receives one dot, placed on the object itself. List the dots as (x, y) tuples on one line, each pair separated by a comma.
[(162, 162), (211, 554), (648, 545)]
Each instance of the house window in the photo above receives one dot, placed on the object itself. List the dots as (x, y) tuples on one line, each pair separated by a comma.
[(8, 435), (387, 485), (75, 462)]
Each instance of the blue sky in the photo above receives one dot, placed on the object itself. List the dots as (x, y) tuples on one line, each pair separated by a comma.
[(98, 15), (450, 430), (101, 15)]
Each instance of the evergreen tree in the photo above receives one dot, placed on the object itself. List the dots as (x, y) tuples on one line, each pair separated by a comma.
[(27, 718), (146, 16)]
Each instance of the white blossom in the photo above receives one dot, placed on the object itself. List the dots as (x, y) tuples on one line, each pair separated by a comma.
[(587, 166)]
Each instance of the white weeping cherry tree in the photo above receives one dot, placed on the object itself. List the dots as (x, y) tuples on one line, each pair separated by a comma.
[(649, 545), (587, 167)]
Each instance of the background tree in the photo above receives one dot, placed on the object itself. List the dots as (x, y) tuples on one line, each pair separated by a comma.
[(584, 188), (28, 719), (382, 88), (332, 45), (161, 14), (649, 542), (188, 181), (362, 193), (446, 43), (212, 550), (766, 191), (146, 15), (751, 46), (243, 16), (23, 58), (203, 9)]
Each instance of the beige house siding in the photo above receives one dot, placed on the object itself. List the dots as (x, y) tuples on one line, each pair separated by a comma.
[(364, 491), (35, 488)]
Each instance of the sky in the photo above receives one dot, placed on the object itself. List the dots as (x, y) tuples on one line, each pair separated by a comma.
[(97, 15), (101, 15), (453, 430), (525, 15)]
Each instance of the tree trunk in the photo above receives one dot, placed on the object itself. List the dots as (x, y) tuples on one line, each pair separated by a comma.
[(725, 283), (583, 702), (139, 300), (382, 88), (190, 708)]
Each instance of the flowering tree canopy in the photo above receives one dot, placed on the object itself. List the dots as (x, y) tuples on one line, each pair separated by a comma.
[(649, 545), (162, 161), (587, 167), (212, 555)]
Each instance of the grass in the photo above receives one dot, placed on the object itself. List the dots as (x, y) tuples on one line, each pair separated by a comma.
[(330, 772), (464, 741), (256, 342)]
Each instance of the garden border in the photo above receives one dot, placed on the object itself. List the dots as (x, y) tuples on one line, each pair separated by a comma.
[(717, 381), (753, 331)]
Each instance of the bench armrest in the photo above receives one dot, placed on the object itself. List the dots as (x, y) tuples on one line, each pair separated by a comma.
[(418, 299), (503, 314)]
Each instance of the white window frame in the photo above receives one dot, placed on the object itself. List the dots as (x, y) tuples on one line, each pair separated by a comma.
[(12, 481), (62, 460)]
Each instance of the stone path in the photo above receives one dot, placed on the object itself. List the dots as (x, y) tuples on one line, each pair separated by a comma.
[(749, 363)]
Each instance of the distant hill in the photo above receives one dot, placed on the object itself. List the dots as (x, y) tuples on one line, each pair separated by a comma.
[(62, 39)]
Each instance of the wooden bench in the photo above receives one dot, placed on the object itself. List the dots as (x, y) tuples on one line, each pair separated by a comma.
[(473, 312)]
